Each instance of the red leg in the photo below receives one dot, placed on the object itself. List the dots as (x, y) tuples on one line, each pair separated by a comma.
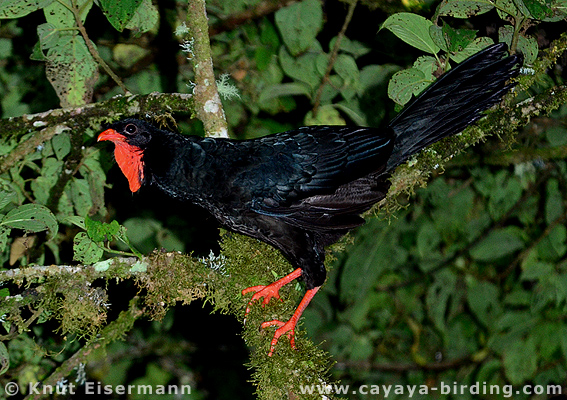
[(272, 290), (289, 327)]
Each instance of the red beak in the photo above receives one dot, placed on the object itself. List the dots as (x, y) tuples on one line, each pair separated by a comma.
[(110, 134)]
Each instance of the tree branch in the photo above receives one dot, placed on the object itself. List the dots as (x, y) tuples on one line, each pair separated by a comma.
[(110, 333), (208, 104), (90, 115)]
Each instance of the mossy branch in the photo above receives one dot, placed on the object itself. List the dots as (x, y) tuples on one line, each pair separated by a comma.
[(170, 278), (505, 122), (112, 332), (47, 124)]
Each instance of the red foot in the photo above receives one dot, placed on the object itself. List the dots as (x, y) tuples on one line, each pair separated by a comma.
[(288, 328), (269, 291), (272, 290)]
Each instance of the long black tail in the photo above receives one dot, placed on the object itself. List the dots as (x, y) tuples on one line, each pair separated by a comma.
[(454, 101)]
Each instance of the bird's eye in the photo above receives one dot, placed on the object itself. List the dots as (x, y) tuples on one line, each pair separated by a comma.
[(130, 129)]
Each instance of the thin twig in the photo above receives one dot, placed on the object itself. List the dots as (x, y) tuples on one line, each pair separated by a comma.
[(75, 10), (333, 57)]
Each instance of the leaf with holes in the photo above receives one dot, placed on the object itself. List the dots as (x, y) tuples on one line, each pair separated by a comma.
[(61, 145), (31, 218), (119, 12), (101, 231), (71, 69), (60, 15), (464, 8), (19, 8), (406, 83), (86, 250)]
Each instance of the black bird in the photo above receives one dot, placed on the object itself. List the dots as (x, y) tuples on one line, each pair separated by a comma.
[(302, 190)]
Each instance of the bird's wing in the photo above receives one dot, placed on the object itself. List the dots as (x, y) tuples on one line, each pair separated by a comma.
[(302, 176)]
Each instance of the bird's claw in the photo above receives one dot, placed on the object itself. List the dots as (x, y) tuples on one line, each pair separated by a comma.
[(287, 328), (267, 292)]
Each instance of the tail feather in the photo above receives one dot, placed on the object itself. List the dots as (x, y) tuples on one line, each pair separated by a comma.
[(453, 102)]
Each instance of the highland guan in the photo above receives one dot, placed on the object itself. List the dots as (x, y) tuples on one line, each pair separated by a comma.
[(302, 190)]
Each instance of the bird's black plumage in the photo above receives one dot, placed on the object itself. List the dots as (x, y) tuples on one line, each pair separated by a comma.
[(302, 190)]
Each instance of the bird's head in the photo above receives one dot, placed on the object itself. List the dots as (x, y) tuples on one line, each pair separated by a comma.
[(130, 137)]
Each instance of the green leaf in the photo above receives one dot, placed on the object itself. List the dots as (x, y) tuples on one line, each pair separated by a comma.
[(31, 218), (352, 47), (80, 195), (536, 271), (284, 89), (483, 300), (6, 48), (6, 197), (303, 68), (101, 231), (326, 115), (554, 201), (534, 9), (412, 29), (464, 8), (438, 297), (457, 39), (299, 25), (428, 238), (4, 358), (263, 56), (61, 145), (497, 244), (428, 65), (71, 68), (527, 45), (473, 48), (506, 8), (119, 12), (406, 83), (352, 110), (85, 250), (520, 360), (371, 261), (553, 246), (76, 220), (19, 8), (59, 13), (145, 18), (346, 68), (556, 135), (3, 237)]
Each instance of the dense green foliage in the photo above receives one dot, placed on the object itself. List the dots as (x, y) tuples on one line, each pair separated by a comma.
[(464, 280)]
